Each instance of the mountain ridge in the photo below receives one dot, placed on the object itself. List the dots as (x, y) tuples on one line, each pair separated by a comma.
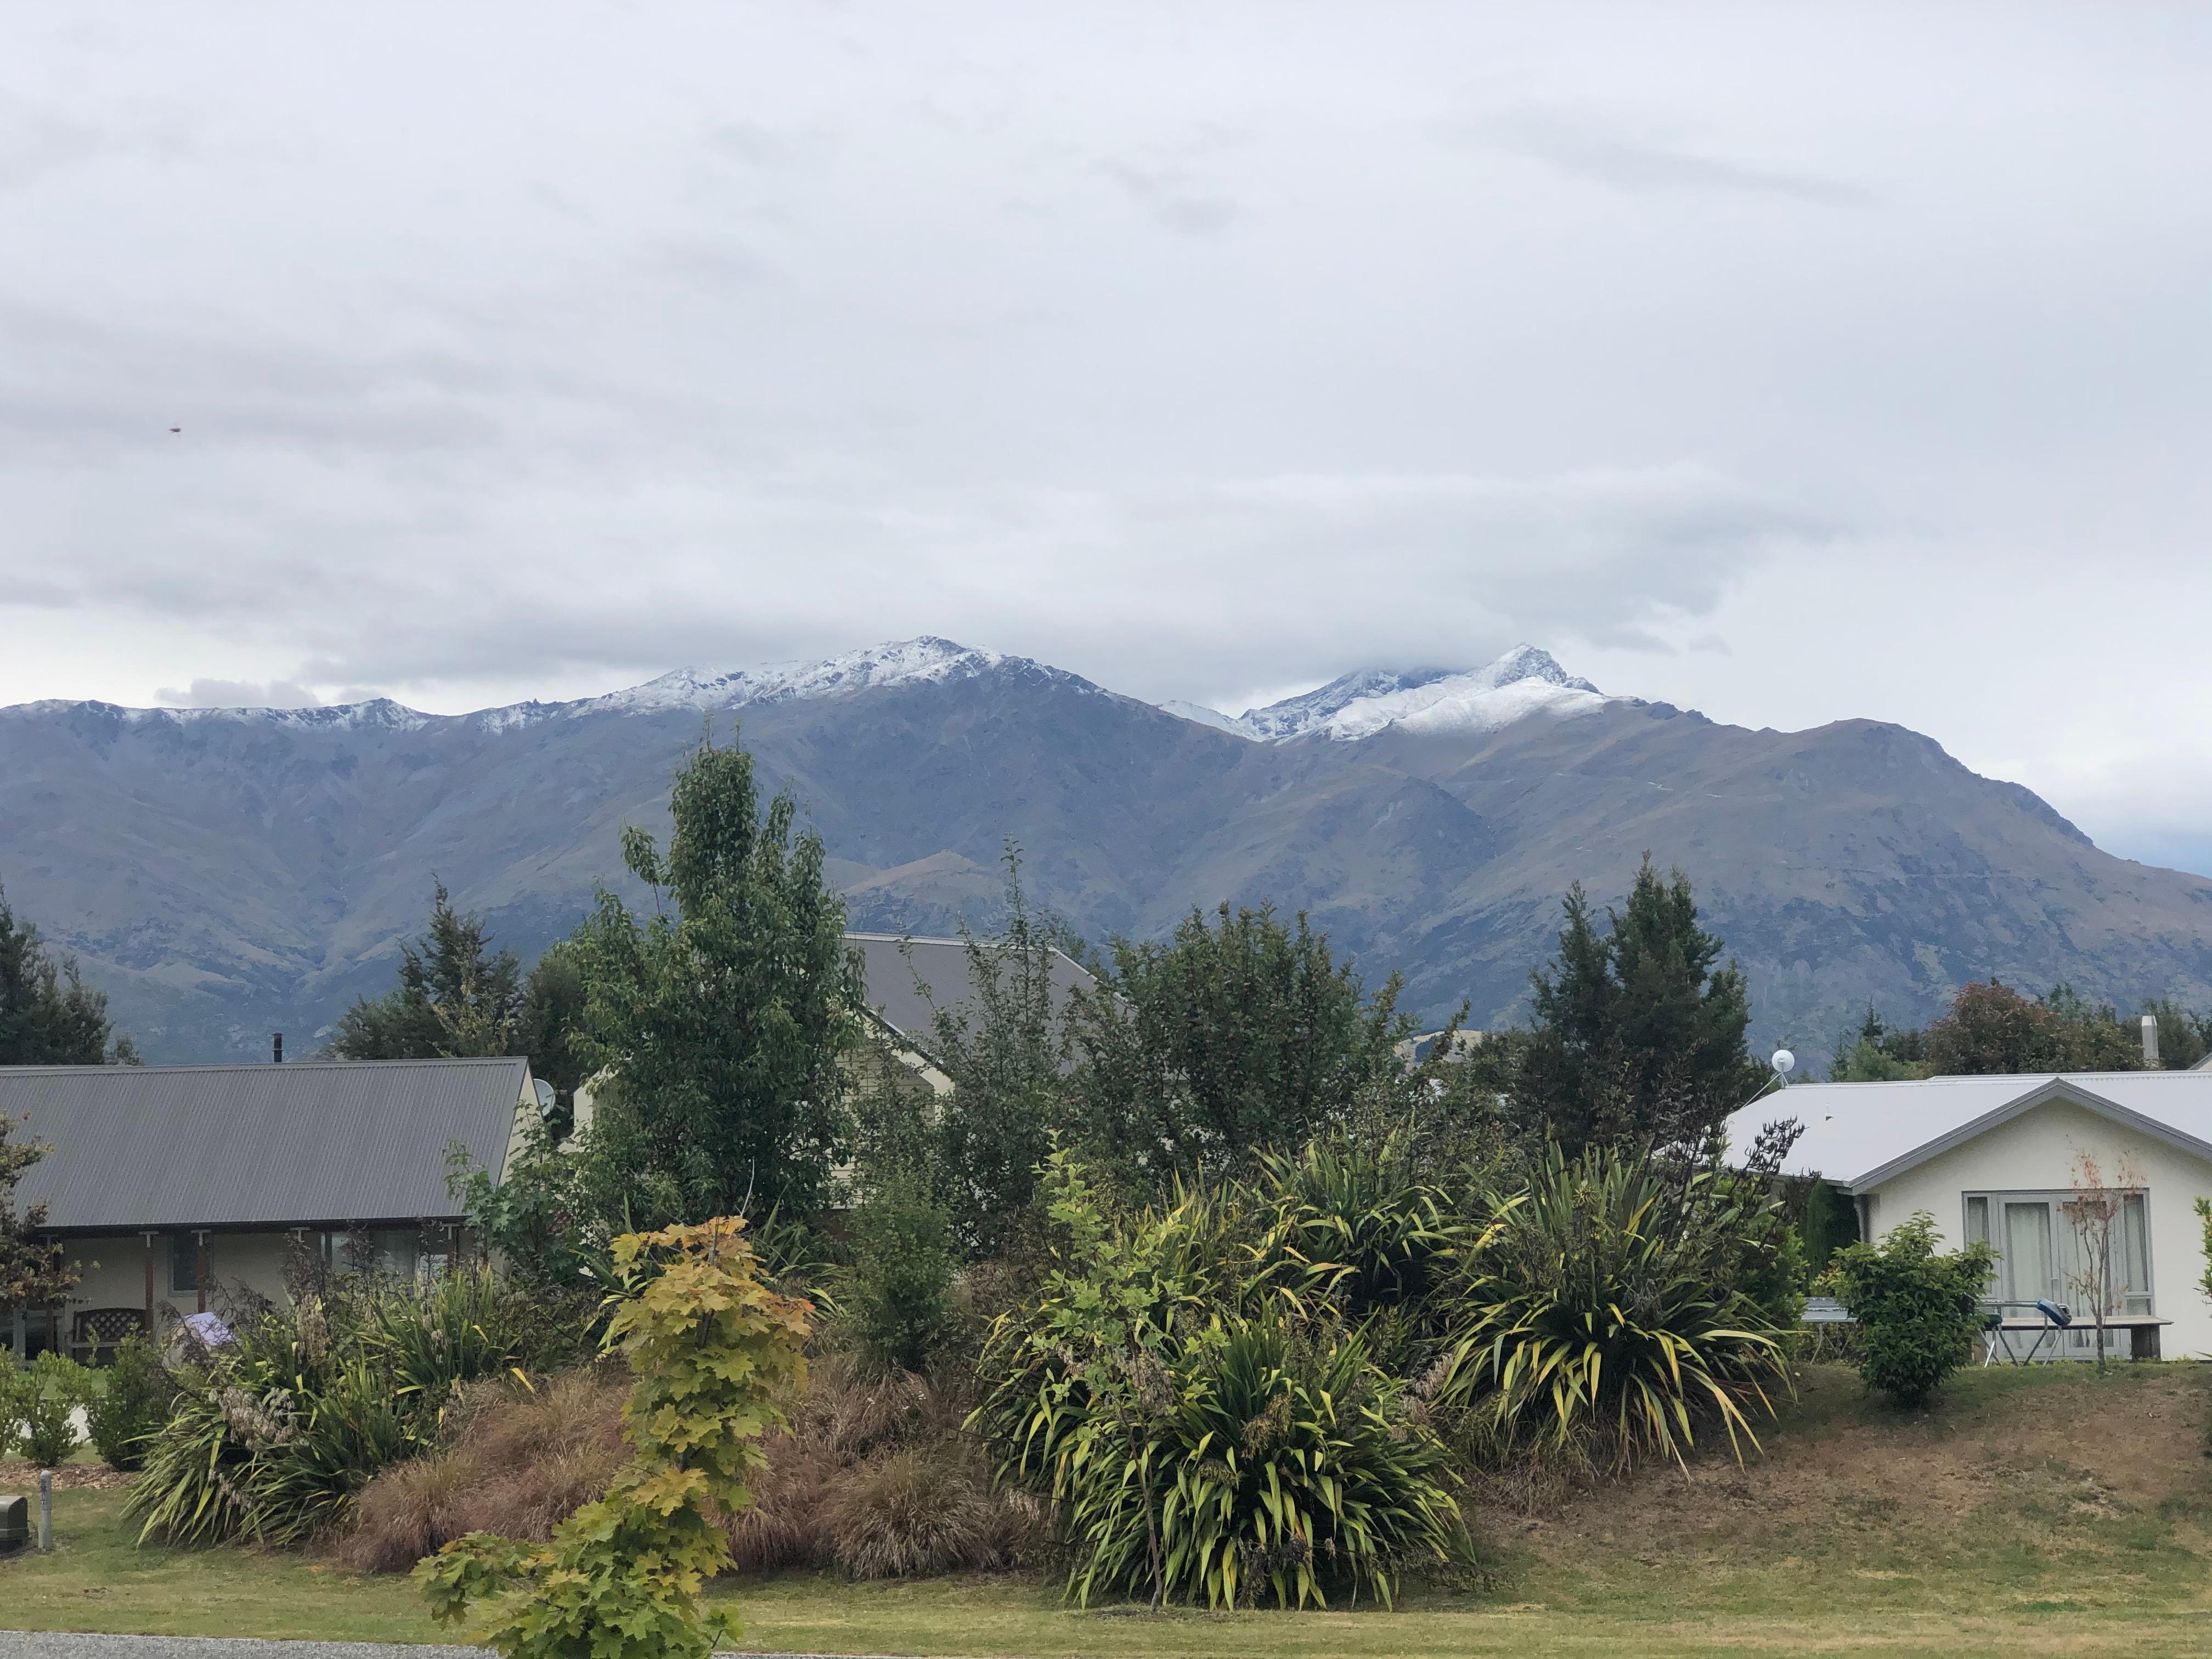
[(225, 874)]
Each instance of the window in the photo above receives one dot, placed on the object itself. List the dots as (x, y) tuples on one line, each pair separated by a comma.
[(392, 1254), (2040, 1253), (183, 1265)]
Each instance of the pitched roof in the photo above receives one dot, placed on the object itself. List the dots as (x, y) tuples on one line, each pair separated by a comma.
[(893, 965), (163, 1147), (1859, 1134)]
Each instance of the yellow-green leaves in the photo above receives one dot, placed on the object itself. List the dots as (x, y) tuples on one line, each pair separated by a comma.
[(716, 1354)]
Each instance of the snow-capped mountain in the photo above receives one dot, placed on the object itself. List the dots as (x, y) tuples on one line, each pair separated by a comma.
[(904, 662), (226, 873), (1525, 680)]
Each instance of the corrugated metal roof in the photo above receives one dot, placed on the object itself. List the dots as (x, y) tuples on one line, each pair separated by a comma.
[(1854, 1129), (942, 966), (172, 1146)]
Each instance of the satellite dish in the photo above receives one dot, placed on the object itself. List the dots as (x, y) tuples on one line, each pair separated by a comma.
[(1784, 1062), (543, 1091)]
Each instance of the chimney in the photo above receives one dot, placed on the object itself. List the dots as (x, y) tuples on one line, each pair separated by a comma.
[(2151, 1041), (277, 1047)]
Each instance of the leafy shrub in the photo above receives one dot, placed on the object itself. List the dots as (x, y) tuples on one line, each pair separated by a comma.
[(896, 1293), (38, 1402), (1615, 1304), (1918, 1311), (716, 1353), (124, 1414)]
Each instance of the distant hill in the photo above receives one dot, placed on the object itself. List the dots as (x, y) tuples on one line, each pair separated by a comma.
[(225, 874)]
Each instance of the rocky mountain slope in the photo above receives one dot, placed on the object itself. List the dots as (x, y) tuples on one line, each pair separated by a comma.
[(229, 873)]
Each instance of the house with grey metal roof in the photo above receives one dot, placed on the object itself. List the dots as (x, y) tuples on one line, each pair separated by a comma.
[(907, 977), (2000, 1159), (174, 1188)]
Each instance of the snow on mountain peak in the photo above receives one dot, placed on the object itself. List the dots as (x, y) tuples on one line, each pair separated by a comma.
[(1525, 680), (903, 662)]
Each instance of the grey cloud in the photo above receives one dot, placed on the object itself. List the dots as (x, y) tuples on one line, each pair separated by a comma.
[(701, 334), (760, 145), (239, 694), (38, 142), (1598, 150), (1173, 200)]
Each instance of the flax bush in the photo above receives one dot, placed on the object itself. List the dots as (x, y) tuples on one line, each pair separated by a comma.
[(1616, 1304), (1211, 1429), (272, 1436)]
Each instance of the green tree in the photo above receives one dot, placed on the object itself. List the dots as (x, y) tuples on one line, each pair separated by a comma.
[(898, 1290), (1990, 1028), (1229, 1038), (1880, 1052), (727, 1017), (548, 1025), (34, 1273), (48, 1015), (1005, 1047), (1638, 1034), (456, 996)]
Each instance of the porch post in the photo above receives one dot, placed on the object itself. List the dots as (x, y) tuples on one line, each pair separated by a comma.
[(149, 1237), (200, 1268)]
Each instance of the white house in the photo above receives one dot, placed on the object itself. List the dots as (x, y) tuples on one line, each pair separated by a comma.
[(1996, 1158)]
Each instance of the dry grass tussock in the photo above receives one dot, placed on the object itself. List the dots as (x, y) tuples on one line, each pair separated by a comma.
[(875, 1479), (514, 1462)]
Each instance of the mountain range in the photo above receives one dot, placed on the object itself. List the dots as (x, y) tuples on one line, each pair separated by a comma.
[(223, 873)]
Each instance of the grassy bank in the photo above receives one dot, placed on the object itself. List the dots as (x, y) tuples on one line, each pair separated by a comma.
[(2034, 1512)]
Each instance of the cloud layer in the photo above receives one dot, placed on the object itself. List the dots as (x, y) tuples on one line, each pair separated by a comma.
[(1793, 365)]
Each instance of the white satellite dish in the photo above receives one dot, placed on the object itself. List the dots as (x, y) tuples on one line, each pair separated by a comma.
[(1784, 1062)]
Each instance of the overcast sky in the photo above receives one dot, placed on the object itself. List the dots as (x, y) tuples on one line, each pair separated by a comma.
[(1791, 363)]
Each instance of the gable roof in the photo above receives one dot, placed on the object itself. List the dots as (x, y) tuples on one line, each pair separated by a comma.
[(165, 1147), (1858, 1135), (942, 966)]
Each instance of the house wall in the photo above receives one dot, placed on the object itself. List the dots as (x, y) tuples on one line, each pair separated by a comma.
[(111, 1274), (2032, 1152)]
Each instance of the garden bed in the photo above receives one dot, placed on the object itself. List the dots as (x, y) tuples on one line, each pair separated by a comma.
[(2045, 1511)]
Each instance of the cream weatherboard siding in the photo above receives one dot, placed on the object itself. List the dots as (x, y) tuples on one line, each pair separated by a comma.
[(2033, 1153)]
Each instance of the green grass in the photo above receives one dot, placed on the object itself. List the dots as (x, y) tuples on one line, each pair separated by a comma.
[(2035, 1512), (98, 1579)]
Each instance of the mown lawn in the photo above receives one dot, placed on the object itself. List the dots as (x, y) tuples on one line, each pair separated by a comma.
[(2035, 1512)]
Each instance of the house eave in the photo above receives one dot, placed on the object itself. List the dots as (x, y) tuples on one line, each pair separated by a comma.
[(2058, 1088)]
